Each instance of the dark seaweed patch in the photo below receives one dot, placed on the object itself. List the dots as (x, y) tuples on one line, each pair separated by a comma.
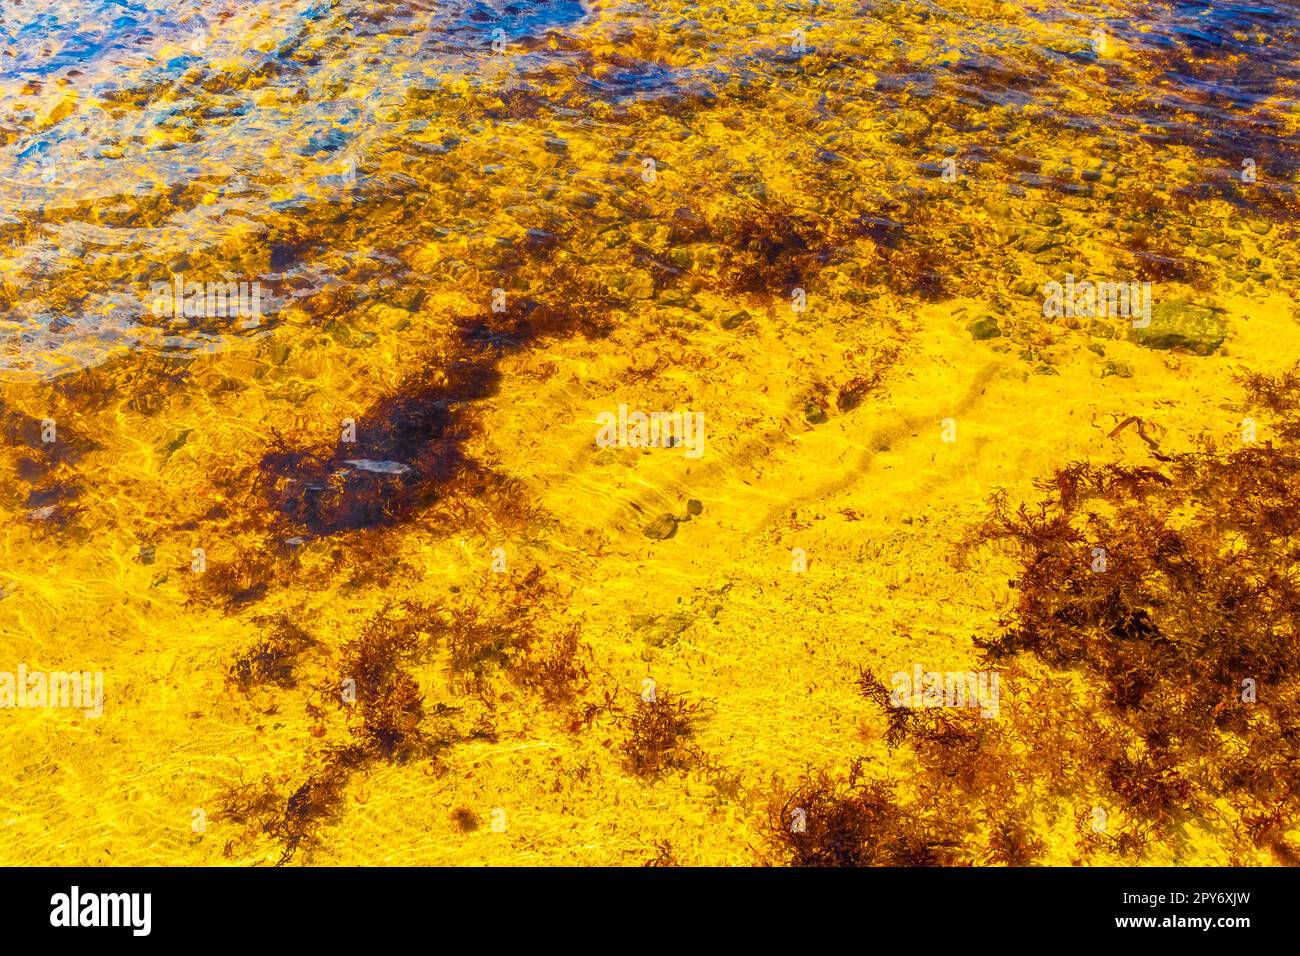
[(384, 708), (409, 444), (1184, 638), (386, 720), (272, 658), (853, 822), (659, 736), (234, 581), (47, 469), (294, 821)]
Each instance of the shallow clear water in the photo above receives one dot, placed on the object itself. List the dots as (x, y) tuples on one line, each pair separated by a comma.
[(477, 227)]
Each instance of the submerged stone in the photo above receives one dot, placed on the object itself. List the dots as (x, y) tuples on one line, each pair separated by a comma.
[(912, 123), (677, 298), (1101, 329), (378, 467), (662, 528), (1182, 325), (985, 327)]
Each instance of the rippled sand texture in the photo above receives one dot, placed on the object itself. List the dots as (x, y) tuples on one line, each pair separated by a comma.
[(359, 675)]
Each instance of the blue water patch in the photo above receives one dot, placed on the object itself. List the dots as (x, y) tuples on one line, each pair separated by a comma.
[(81, 33), (328, 141), (524, 18)]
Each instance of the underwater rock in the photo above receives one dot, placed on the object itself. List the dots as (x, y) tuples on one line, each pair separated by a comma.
[(1040, 243), (615, 237), (540, 240), (657, 631), (327, 141), (407, 298), (1182, 325), (378, 467), (985, 327), (912, 123), (640, 285), (278, 352), (676, 298), (662, 528), (735, 319), (1102, 330)]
